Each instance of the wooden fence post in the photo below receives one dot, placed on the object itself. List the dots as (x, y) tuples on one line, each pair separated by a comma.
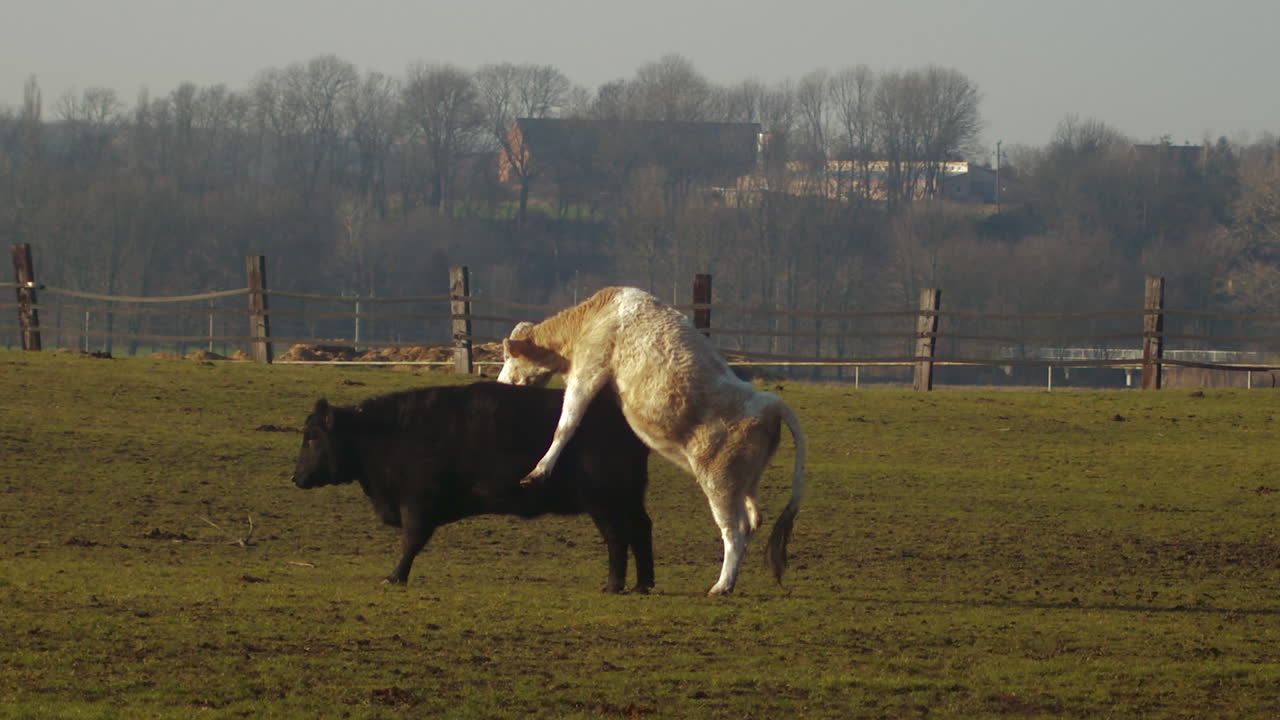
[(1152, 332), (259, 321), (702, 296), (926, 337), (460, 309), (25, 277)]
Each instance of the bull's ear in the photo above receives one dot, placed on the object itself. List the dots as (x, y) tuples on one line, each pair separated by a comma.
[(512, 347), (325, 413), (536, 354), (521, 330)]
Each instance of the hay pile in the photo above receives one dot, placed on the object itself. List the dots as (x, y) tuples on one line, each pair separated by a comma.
[(487, 352)]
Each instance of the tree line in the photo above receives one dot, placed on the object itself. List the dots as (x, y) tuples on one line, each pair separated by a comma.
[(360, 182)]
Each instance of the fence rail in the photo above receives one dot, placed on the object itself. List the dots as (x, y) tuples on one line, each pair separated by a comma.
[(922, 338)]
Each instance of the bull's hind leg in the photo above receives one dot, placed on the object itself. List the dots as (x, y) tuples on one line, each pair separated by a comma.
[(761, 442), (734, 519), (732, 492), (753, 513)]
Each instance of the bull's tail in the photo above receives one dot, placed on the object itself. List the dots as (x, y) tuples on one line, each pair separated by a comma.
[(776, 549)]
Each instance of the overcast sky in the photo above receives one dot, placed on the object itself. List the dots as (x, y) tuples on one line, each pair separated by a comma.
[(1188, 69)]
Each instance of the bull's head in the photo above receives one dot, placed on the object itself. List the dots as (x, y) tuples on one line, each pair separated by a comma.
[(526, 363), (320, 461)]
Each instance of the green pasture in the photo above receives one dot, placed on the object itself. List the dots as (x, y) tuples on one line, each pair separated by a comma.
[(962, 553)]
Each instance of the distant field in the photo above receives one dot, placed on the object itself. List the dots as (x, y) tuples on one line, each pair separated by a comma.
[(962, 553)]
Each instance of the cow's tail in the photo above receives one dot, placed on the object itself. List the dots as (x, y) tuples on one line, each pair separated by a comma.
[(776, 549)]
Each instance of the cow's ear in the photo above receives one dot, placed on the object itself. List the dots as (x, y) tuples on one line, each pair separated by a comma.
[(325, 413)]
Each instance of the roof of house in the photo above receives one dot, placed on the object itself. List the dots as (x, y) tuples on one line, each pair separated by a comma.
[(688, 149), (1187, 154)]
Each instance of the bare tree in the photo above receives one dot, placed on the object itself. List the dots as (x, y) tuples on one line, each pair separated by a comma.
[(222, 118), (670, 90), (611, 102), (496, 95), (1085, 137), (813, 111), (92, 119), (641, 228), (578, 102), (923, 118), (358, 250), (506, 92), (1257, 210), (951, 120), (1081, 181), (373, 114), (742, 102), (778, 113), (1255, 283), (302, 105), (441, 105), (852, 94), (195, 135), (541, 92), (900, 121), (25, 177)]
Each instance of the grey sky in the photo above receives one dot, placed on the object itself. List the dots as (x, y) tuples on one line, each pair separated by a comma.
[(1185, 68)]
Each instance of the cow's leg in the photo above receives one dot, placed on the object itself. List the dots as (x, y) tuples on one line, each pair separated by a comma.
[(580, 388), (613, 530), (415, 531), (640, 534)]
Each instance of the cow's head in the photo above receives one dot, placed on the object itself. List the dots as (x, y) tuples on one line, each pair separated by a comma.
[(526, 363), (323, 458)]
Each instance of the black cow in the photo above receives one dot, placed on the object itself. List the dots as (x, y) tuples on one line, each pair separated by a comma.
[(432, 456)]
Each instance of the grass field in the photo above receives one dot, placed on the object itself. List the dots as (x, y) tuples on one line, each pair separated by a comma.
[(963, 553)]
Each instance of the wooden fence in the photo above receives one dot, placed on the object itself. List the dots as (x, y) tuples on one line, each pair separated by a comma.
[(922, 338)]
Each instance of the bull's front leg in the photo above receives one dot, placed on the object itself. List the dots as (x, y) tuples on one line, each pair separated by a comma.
[(579, 389), (415, 531)]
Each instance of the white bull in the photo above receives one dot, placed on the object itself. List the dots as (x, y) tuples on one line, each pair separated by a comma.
[(680, 398)]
